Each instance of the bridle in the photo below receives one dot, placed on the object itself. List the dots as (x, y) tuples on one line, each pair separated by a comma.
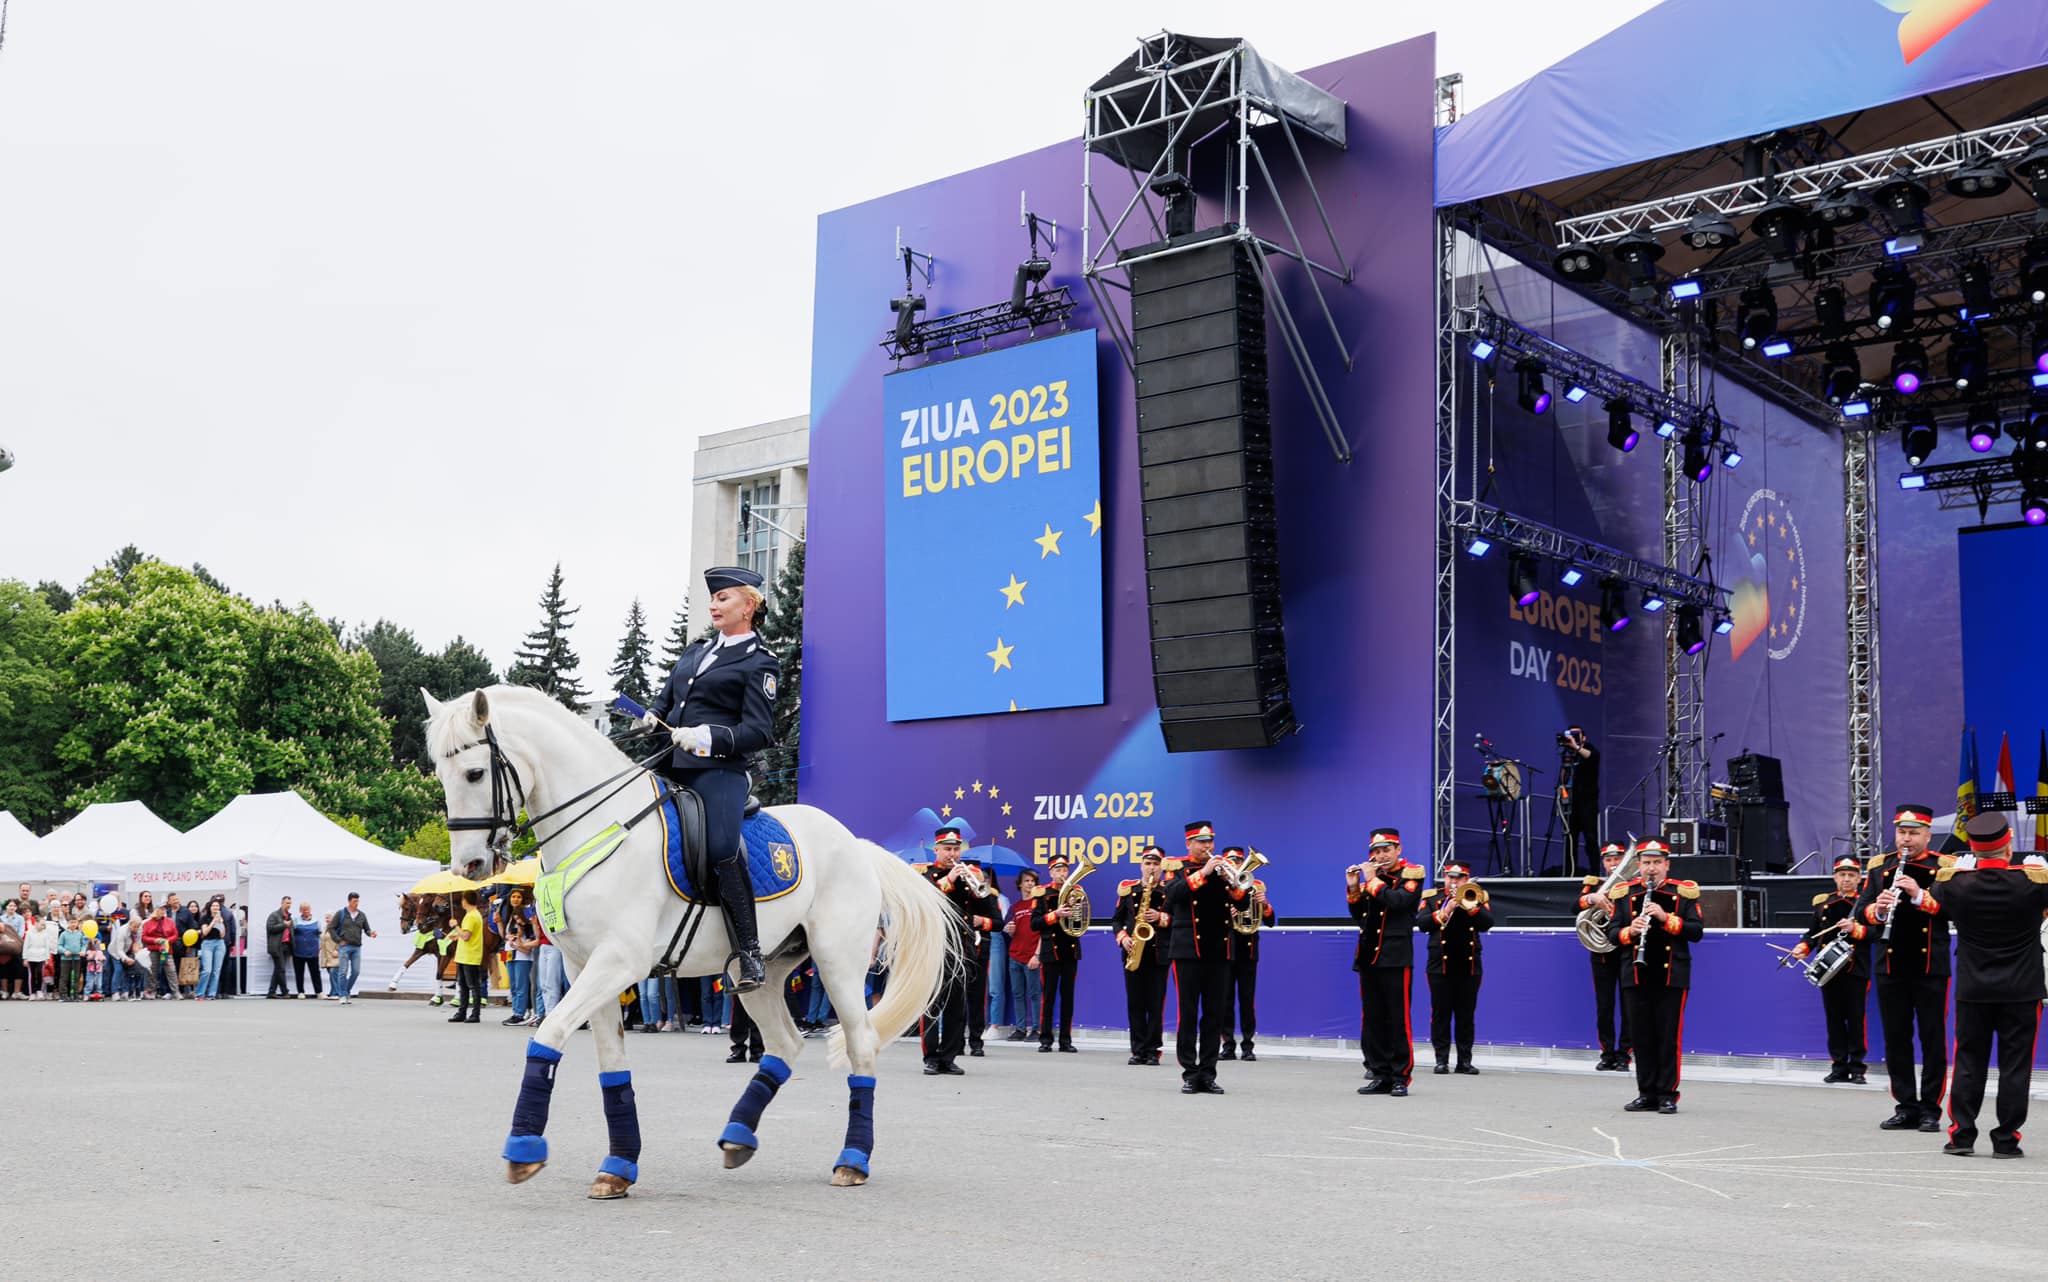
[(508, 798)]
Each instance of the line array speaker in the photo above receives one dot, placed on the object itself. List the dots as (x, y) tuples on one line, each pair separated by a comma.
[(1212, 574)]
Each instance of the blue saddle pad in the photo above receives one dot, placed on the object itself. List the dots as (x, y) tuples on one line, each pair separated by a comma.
[(772, 858)]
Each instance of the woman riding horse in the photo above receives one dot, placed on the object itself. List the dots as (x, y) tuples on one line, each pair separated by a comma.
[(720, 699)]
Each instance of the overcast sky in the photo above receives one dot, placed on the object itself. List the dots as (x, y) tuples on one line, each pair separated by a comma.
[(387, 307)]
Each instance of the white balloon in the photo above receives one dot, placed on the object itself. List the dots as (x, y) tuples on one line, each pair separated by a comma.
[(109, 902)]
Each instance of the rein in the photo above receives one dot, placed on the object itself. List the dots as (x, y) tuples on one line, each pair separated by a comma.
[(508, 797)]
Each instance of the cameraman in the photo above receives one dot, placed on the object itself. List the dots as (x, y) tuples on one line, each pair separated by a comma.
[(1580, 780)]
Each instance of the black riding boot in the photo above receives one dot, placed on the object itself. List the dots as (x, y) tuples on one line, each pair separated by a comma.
[(737, 891)]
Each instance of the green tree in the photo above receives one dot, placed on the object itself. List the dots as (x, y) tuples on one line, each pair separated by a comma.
[(430, 842), (352, 824), (545, 662), (56, 594), (678, 638), (33, 705), (782, 630), (629, 666)]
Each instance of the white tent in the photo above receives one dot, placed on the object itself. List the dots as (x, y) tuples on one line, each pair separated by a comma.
[(15, 838), (97, 845), (285, 847)]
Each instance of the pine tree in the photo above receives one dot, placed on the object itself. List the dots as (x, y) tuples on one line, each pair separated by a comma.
[(546, 662), (678, 639), (629, 666), (782, 630)]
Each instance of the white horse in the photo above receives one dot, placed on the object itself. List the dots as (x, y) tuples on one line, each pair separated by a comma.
[(622, 915)]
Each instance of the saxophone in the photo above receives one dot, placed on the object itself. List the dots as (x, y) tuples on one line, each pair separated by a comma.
[(1143, 930)]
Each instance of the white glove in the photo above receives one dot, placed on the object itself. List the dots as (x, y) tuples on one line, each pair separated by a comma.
[(692, 739), (647, 721)]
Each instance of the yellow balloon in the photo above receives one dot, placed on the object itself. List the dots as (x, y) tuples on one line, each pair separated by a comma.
[(191, 938), (91, 930)]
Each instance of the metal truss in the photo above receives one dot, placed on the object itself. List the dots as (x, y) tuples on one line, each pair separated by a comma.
[(1977, 483), (1685, 709), (1922, 160), (1177, 96), (978, 325), (1683, 414), (1505, 529), (1443, 774), (1961, 240), (1859, 540)]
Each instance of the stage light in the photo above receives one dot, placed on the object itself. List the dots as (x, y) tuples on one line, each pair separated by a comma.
[(1966, 359), (1478, 547), (1698, 465), (1982, 426), (1639, 253), (1978, 300), (1666, 428), (1831, 312), (1777, 225), (1891, 295), (1690, 638), (1920, 439), (1856, 409), (1522, 581), (1580, 262), (1912, 481), (1574, 393), (1777, 347), (1709, 230), (1840, 207), (1483, 350), (1681, 290), (1909, 367), (1572, 576), (2041, 348), (1903, 199), (1899, 246), (1723, 625), (2032, 169), (2034, 270), (1621, 429), (1731, 457), (1652, 603), (1759, 316), (1529, 390), (1842, 373), (2034, 503), (906, 309), (1979, 180), (1029, 273), (1613, 605), (2031, 433)]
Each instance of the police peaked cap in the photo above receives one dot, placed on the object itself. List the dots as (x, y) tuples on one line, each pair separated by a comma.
[(720, 577)]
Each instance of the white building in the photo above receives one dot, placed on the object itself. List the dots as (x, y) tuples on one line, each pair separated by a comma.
[(761, 472)]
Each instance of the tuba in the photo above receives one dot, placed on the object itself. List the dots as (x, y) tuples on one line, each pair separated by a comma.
[(1591, 925), (1072, 896), (1245, 917)]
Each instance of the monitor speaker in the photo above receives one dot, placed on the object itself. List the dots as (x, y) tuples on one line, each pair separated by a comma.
[(1205, 453)]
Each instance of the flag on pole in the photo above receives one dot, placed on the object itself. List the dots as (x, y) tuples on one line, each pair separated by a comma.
[(1966, 779), (2041, 791), (2006, 782)]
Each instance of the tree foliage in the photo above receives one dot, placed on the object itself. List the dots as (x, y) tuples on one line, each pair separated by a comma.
[(404, 668), (429, 842), (629, 665), (546, 662), (33, 706), (678, 638), (782, 630)]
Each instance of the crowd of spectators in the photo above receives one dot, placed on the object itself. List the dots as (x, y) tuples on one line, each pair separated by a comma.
[(75, 948)]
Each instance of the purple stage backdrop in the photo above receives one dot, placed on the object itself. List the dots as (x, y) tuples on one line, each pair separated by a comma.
[(1356, 541)]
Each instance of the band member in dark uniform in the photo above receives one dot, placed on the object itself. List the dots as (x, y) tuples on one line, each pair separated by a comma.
[(977, 964), (945, 1024), (1243, 1010), (1198, 904), (1843, 999), (1611, 1012), (1660, 922), (1453, 920), (1382, 895), (1143, 900), (1579, 777), (1996, 909), (1910, 964), (1059, 960), (720, 701)]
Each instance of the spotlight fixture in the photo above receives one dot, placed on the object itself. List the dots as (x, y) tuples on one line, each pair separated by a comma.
[(1529, 389), (1522, 581), (1840, 207), (1482, 350), (1909, 366), (1029, 273), (2034, 503), (1912, 481), (1621, 429), (1572, 576), (1903, 199), (1708, 230), (1831, 311), (1652, 603), (2034, 270), (1686, 288), (1575, 392), (1478, 547), (1778, 225), (906, 309), (1666, 429), (1687, 630), (2032, 170), (1580, 262), (1613, 605), (1966, 359), (1979, 180), (1843, 373), (1731, 456), (1982, 426), (1723, 624), (2041, 348), (1974, 280), (2030, 434), (1698, 464), (1891, 295), (1776, 348), (1639, 252), (1919, 438), (1758, 322)]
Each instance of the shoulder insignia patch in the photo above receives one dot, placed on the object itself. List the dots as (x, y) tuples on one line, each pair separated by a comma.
[(1687, 890), (1822, 898), (1412, 872), (1124, 888), (1945, 860), (1591, 882), (1428, 894), (921, 867), (1875, 862), (1947, 873), (2039, 876), (1170, 865), (1620, 892), (768, 684)]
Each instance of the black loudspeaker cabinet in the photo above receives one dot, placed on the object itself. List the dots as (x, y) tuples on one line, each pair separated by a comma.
[(1705, 870), (1762, 834), (1757, 777), (1205, 454)]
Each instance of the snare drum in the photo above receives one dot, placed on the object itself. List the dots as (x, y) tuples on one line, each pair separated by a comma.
[(1829, 962)]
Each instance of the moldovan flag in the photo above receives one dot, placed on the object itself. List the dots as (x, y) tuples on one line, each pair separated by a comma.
[(1966, 779), (2041, 791)]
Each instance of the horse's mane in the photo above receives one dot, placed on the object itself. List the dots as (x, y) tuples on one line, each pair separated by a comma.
[(449, 728)]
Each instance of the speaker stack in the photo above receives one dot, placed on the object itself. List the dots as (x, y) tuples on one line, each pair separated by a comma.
[(1212, 578)]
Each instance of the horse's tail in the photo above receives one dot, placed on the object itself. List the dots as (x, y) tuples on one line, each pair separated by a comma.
[(920, 941)]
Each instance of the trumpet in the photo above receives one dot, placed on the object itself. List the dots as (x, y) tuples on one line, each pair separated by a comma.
[(964, 874)]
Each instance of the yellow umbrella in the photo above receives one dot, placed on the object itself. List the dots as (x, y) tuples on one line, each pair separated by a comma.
[(523, 873), (443, 883)]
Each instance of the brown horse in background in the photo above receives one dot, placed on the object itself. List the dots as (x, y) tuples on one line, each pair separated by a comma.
[(430, 919)]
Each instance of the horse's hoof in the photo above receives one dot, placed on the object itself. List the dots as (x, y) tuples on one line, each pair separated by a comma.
[(609, 1188), (846, 1177), (521, 1172), (736, 1155)]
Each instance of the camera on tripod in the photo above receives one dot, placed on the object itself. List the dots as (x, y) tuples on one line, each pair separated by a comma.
[(1566, 742)]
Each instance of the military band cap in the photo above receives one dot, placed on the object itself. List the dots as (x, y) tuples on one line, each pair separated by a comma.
[(1059, 861), (1384, 837), (1987, 832), (948, 833), (1200, 829), (1233, 852), (720, 577), (1454, 867), (1913, 816), (1614, 848), (1848, 863), (1652, 846), (1152, 855)]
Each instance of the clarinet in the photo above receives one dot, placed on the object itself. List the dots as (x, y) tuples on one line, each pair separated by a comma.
[(1891, 916), (1643, 936)]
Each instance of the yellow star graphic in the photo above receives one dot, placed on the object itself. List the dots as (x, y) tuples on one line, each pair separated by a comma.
[(1094, 519), (1006, 807), (977, 785), (1788, 554), (1010, 833), (1795, 581), (1048, 542), (994, 792), (1791, 611), (946, 812), (1001, 654), (1013, 594), (959, 794), (1752, 540), (1014, 707)]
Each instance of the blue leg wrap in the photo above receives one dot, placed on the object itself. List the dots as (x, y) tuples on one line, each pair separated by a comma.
[(860, 1124), (622, 1119), (530, 1114), (746, 1115), (620, 1167)]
